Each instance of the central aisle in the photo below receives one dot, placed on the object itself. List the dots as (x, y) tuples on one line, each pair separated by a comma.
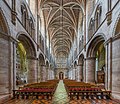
[(60, 95)]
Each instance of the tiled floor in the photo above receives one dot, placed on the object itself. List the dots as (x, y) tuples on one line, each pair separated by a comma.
[(61, 97)]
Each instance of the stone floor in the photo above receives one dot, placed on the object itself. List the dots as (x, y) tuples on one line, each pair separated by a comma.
[(61, 97)]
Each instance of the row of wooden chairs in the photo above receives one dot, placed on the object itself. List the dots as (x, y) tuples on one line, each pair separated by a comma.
[(43, 90), (85, 90)]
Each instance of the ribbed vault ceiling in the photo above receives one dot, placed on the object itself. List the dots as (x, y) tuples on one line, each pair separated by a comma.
[(61, 19)]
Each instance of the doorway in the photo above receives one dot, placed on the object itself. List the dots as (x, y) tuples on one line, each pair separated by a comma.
[(61, 75)]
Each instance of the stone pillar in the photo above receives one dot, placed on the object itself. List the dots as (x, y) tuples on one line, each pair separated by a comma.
[(70, 73), (14, 66), (84, 71), (108, 69), (43, 73), (52, 74), (5, 65), (32, 70), (106, 66), (47, 73), (80, 72), (76, 74), (116, 68), (90, 69)]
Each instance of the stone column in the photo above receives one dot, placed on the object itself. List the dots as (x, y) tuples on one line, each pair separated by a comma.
[(43, 73), (52, 74), (115, 70), (76, 74), (47, 73), (90, 69), (32, 70), (80, 72), (108, 69), (5, 65), (14, 66), (84, 71)]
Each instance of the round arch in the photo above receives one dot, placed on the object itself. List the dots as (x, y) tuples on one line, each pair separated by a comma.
[(26, 53), (95, 60), (94, 44), (27, 43)]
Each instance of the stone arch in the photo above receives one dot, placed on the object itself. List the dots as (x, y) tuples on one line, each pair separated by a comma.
[(5, 56), (27, 55), (94, 53), (28, 44), (94, 44)]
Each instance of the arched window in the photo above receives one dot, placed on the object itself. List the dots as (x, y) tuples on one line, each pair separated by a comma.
[(24, 17), (31, 28), (98, 16), (91, 28)]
